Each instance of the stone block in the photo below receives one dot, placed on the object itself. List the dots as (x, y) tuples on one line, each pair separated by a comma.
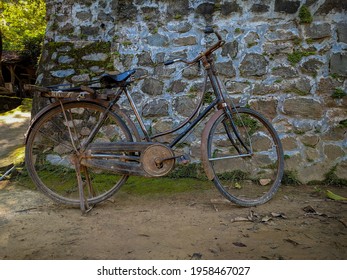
[(342, 32), (152, 86), (333, 152), (156, 108), (253, 65), (284, 6), (304, 108), (230, 49), (184, 105), (267, 106), (226, 69), (338, 64), (318, 30), (329, 6)]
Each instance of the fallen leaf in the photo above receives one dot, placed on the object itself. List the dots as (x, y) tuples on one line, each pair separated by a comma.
[(334, 196), (278, 215), (239, 244), (237, 186), (266, 219), (291, 242), (239, 219)]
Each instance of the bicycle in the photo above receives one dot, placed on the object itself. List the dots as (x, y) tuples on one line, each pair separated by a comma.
[(82, 148)]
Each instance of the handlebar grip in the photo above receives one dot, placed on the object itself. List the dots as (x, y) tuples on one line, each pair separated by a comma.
[(169, 62)]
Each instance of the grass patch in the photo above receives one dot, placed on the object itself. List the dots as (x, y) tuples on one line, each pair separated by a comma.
[(295, 57), (338, 93), (305, 15), (331, 178), (290, 178), (150, 186)]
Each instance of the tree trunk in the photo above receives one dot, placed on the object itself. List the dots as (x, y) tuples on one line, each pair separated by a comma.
[(2, 81)]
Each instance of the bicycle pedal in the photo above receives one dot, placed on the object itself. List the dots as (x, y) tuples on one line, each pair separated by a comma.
[(183, 160)]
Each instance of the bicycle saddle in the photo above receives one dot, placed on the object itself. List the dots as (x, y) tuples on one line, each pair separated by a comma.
[(111, 79)]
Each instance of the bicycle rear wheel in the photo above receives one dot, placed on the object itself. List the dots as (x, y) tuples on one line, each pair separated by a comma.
[(50, 152), (246, 157)]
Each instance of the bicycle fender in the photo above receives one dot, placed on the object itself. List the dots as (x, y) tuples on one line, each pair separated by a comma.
[(204, 144)]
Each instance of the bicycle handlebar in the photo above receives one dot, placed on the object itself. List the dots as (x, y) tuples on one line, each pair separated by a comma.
[(216, 46)]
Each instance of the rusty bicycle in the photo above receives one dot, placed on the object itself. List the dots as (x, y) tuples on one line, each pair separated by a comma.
[(81, 148)]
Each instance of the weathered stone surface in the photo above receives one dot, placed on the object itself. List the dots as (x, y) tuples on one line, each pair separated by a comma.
[(285, 72), (156, 108), (176, 8), (302, 107), (251, 39), (329, 6), (141, 34), (278, 48), (312, 66), (332, 152), (237, 87), (341, 170), (289, 7), (312, 154), (299, 86), (184, 105), (289, 143), (253, 65), (314, 172), (226, 69), (342, 32), (260, 8), (63, 73), (310, 140), (229, 7), (180, 27), (263, 89), (338, 64), (206, 10), (178, 86), (81, 78), (318, 30), (267, 107), (230, 49), (96, 57), (145, 59), (152, 86), (157, 40), (281, 35), (185, 41)]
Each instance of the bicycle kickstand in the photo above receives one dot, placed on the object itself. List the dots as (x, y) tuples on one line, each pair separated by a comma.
[(84, 206)]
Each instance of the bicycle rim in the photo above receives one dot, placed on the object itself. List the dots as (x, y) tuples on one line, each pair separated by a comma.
[(247, 159), (49, 152)]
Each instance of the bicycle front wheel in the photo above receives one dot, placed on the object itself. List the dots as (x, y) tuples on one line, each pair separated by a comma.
[(246, 156), (55, 139)]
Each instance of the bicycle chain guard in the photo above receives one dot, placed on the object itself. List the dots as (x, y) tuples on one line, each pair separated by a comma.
[(157, 160)]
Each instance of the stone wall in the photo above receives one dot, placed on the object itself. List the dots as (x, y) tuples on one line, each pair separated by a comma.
[(287, 59)]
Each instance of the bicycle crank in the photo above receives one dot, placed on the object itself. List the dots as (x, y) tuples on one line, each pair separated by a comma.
[(157, 160)]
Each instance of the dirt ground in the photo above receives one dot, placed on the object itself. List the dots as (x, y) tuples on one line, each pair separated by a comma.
[(298, 223)]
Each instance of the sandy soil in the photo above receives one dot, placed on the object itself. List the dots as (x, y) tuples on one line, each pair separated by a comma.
[(299, 223)]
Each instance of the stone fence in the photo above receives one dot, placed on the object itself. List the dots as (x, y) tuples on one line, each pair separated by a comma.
[(287, 59)]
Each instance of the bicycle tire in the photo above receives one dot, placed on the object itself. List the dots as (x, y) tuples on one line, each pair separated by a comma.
[(245, 178), (49, 149)]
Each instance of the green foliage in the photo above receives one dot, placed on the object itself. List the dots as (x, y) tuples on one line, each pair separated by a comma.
[(305, 15), (22, 24), (338, 93), (296, 56), (290, 178)]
